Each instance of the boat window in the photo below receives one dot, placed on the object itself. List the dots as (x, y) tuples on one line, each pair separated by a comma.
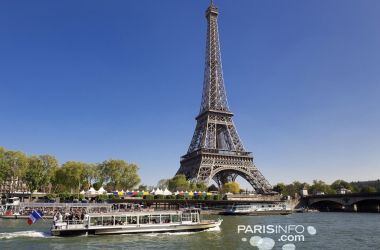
[(107, 220), (155, 219), (144, 219), (165, 218), (94, 221), (120, 220), (186, 217), (175, 218), (132, 219)]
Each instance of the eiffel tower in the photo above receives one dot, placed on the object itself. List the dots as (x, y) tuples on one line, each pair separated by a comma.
[(216, 151)]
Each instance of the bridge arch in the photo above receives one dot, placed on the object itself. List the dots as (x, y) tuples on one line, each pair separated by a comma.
[(370, 205), (327, 205)]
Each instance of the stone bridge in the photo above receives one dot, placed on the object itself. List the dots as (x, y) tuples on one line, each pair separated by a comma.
[(355, 202)]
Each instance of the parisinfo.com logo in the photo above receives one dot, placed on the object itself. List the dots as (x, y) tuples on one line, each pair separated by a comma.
[(266, 237)]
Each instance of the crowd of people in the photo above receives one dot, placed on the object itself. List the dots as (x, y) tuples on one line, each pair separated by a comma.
[(72, 213), (46, 211)]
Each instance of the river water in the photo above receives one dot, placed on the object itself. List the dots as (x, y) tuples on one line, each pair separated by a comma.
[(297, 231)]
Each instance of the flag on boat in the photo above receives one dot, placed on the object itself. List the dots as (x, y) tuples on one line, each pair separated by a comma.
[(34, 216)]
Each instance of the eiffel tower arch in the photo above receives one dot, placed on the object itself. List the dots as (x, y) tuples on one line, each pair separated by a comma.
[(216, 151)]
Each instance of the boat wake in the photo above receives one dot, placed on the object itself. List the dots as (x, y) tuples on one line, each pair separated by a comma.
[(24, 234)]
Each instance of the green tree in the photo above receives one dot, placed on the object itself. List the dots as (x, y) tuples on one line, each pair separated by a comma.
[(338, 184), (13, 165), (231, 187), (192, 186), (280, 188), (2, 165), (320, 186), (70, 177), (368, 189), (163, 183), (39, 171), (290, 189), (179, 182), (50, 165), (97, 185), (142, 187), (91, 174), (119, 175), (201, 187)]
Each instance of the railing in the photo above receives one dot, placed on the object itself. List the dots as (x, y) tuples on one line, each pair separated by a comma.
[(217, 151), (64, 205)]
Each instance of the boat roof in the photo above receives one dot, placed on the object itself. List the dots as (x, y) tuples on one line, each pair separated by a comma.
[(134, 213)]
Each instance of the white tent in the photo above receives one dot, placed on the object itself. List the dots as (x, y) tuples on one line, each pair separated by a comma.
[(92, 191), (159, 191), (176, 192), (167, 192), (102, 190), (153, 191), (82, 192)]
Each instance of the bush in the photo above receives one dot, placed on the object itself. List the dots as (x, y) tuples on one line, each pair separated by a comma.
[(180, 197), (116, 200), (159, 197), (51, 196), (112, 196), (170, 197), (209, 197), (148, 197), (64, 196), (231, 187), (102, 197), (217, 197)]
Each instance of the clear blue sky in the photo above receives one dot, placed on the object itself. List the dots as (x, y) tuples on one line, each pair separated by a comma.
[(94, 80)]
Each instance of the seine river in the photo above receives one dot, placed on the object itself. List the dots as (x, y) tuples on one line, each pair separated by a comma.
[(298, 231)]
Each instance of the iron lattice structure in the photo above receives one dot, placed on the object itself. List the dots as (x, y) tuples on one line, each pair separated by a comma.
[(216, 151)]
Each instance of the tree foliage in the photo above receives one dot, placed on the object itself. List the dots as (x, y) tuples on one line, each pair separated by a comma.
[(70, 177), (42, 171), (163, 183), (338, 184), (320, 186), (39, 172), (368, 189), (231, 187), (118, 174), (290, 189), (13, 165), (178, 182)]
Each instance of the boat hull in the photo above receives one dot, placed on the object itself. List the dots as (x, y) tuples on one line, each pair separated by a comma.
[(136, 229)]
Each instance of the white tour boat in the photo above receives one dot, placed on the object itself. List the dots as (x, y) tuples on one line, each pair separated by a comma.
[(258, 209), (133, 222), (11, 209)]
